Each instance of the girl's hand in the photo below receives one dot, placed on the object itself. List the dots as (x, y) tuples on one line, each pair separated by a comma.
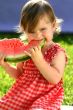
[(36, 54), (2, 56)]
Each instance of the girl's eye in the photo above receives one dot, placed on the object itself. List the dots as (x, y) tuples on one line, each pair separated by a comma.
[(32, 33), (43, 29)]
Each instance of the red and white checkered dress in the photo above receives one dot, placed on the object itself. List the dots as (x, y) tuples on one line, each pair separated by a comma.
[(32, 91)]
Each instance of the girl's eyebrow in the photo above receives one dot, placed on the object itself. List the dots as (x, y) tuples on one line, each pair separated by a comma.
[(42, 28), (39, 30)]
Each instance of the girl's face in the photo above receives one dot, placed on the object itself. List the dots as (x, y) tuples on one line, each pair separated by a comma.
[(44, 29)]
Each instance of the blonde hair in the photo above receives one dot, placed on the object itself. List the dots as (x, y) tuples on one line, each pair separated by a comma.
[(31, 13)]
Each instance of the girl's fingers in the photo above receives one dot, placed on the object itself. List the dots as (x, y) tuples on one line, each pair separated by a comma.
[(27, 53), (1, 55), (35, 49), (39, 47), (32, 50)]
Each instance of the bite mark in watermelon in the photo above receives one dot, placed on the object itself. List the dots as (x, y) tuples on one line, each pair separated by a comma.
[(14, 49)]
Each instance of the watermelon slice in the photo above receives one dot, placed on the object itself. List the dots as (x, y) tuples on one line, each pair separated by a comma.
[(14, 49)]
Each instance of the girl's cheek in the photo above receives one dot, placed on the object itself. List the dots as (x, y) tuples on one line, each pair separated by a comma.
[(30, 35), (30, 38), (44, 33)]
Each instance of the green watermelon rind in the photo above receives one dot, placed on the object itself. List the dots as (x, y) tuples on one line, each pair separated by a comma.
[(17, 58), (21, 57)]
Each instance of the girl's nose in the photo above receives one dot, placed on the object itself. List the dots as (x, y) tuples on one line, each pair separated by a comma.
[(38, 35)]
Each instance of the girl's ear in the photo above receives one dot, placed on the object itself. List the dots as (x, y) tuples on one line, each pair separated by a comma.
[(54, 25)]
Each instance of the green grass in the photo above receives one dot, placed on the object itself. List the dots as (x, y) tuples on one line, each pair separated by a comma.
[(66, 41)]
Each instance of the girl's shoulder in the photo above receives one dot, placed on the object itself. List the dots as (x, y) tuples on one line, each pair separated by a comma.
[(54, 49), (49, 47)]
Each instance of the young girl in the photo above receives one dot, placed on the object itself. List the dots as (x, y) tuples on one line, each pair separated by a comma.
[(39, 84)]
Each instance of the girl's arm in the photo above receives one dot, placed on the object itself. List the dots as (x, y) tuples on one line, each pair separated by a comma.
[(13, 71), (52, 73)]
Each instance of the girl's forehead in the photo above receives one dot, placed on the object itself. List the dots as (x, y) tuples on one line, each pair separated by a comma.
[(44, 20)]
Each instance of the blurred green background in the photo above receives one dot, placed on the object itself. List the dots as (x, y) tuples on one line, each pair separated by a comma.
[(66, 41)]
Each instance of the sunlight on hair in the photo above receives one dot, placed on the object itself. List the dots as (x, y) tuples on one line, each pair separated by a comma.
[(23, 37), (58, 25)]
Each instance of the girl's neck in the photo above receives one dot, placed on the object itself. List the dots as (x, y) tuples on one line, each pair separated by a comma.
[(47, 45)]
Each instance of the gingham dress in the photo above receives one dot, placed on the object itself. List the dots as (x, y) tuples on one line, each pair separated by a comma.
[(32, 91)]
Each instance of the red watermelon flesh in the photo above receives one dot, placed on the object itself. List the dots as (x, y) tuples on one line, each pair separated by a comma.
[(7, 46), (14, 49)]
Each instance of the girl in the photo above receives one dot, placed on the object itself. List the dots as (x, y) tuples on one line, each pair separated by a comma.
[(39, 84)]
